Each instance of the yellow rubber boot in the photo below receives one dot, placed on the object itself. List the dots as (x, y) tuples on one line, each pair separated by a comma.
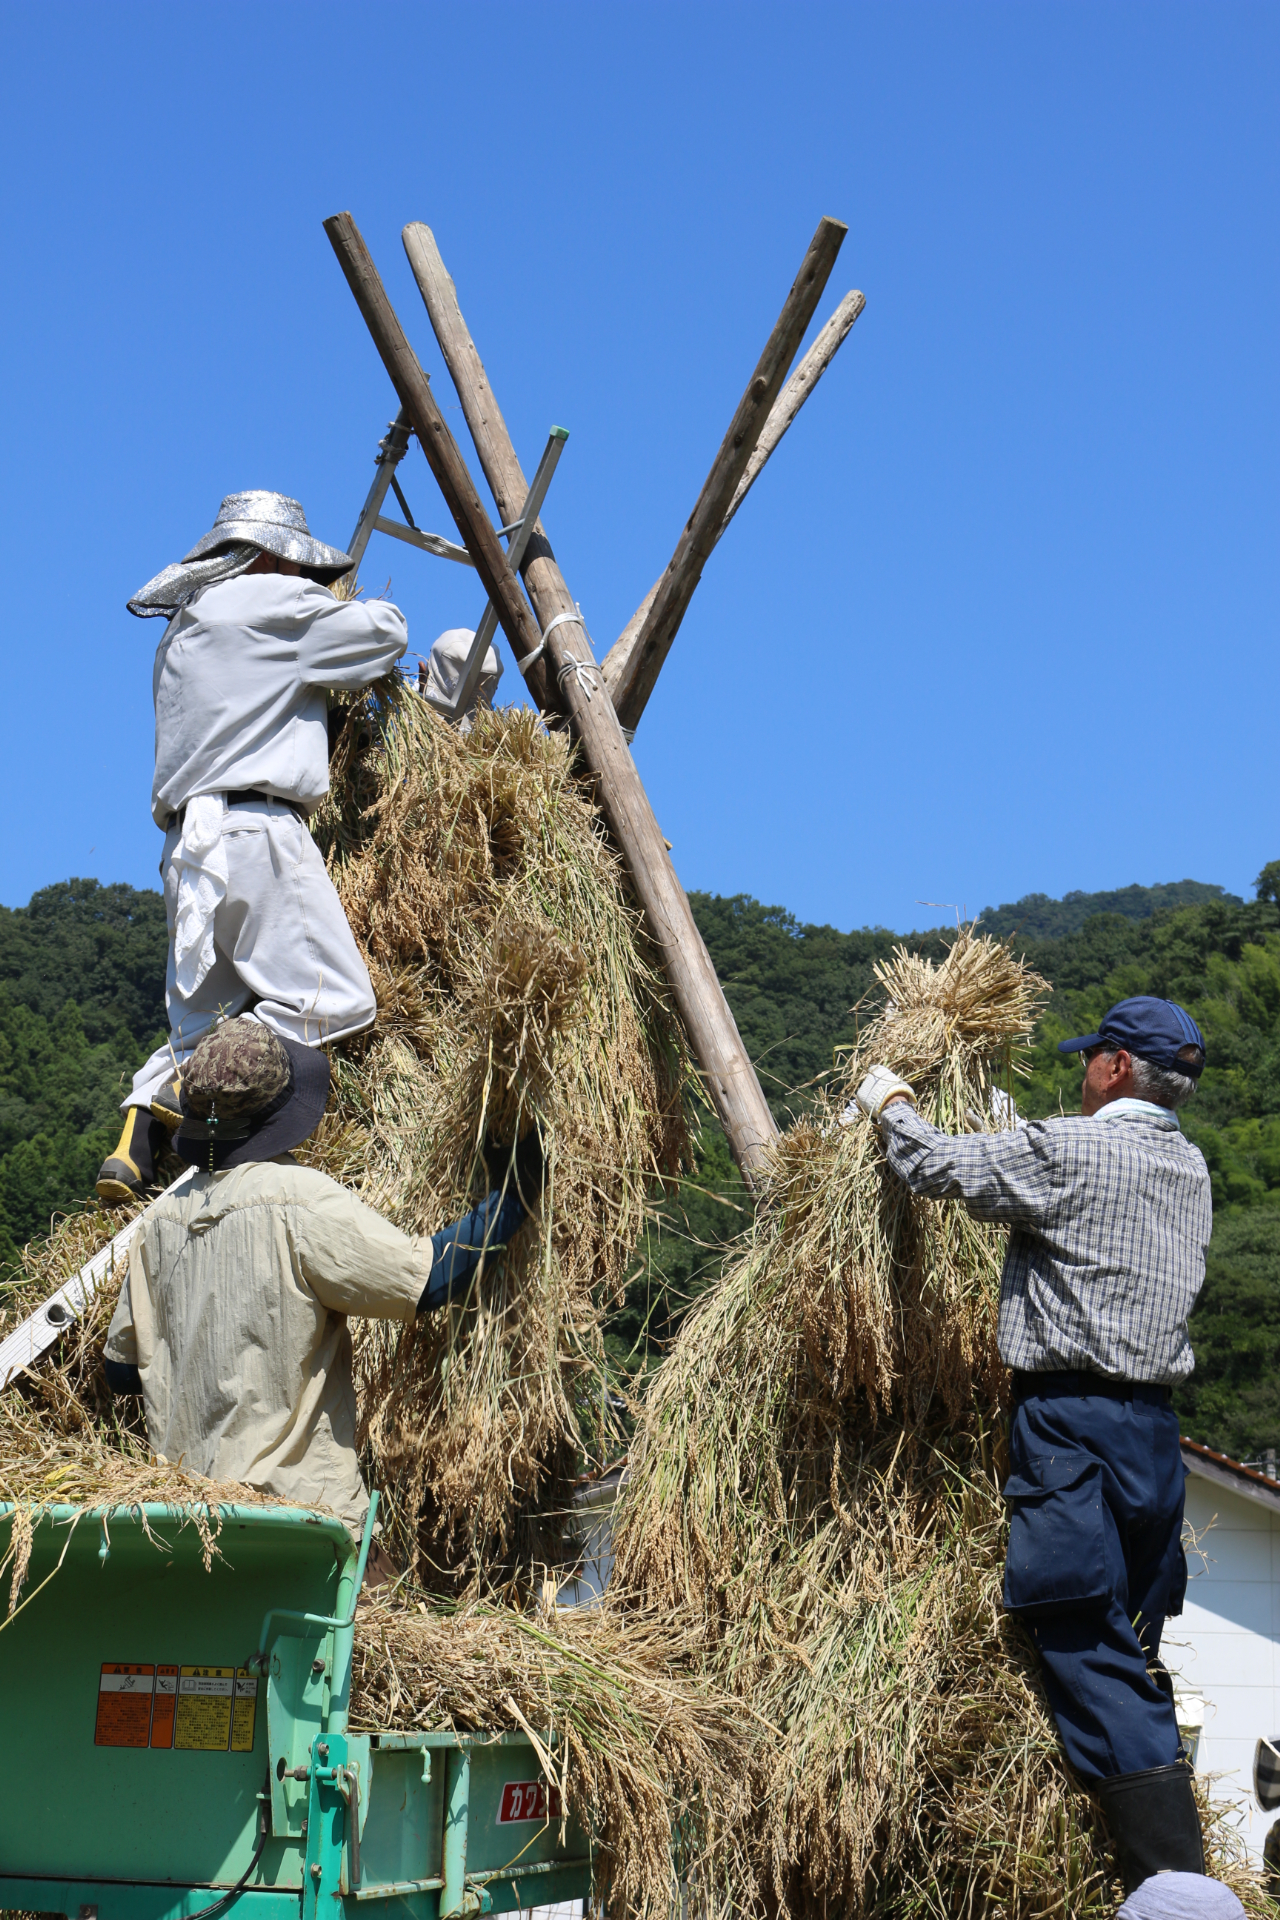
[(131, 1169), (167, 1105)]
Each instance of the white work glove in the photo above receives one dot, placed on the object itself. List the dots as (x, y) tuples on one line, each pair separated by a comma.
[(1004, 1114), (879, 1087)]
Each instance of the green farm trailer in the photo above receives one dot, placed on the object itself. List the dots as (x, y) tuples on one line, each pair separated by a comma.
[(178, 1742)]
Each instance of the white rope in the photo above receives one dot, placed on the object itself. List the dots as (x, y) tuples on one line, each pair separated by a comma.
[(588, 674), (561, 619)]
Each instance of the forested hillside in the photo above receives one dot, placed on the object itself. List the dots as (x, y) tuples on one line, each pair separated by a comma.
[(1037, 917), (81, 1005), (82, 1002)]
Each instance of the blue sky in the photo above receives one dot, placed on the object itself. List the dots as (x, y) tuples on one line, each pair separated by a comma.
[(1001, 613)]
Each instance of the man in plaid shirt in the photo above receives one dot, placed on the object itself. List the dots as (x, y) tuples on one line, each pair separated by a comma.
[(1109, 1216)]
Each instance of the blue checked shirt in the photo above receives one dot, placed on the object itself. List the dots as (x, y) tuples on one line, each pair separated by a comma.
[(1109, 1218)]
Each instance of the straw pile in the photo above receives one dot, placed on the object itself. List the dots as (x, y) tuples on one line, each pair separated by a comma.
[(816, 1483), (647, 1759), (514, 989)]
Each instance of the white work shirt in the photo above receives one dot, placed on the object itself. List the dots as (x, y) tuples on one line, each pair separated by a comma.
[(239, 685), (234, 1311)]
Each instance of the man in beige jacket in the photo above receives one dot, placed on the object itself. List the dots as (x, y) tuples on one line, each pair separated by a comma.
[(232, 1321)]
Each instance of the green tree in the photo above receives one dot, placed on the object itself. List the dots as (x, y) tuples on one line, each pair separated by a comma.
[(102, 946), (1037, 917), (1232, 1400), (81, 1005)]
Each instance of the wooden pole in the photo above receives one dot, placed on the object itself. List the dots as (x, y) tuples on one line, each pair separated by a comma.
[(634, 682), (795, 393), (718, 1049), (783, 412)]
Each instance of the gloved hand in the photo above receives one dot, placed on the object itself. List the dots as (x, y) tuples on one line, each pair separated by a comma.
[(879, 1087), (530, 1165), (456, 1249), (122, 1376), (524, 1169)]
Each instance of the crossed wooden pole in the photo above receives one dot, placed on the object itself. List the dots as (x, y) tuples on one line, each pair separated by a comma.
[(546, 635)]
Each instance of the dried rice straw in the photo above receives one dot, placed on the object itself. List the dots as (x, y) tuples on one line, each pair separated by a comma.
[(816, 1483), (515, 988)]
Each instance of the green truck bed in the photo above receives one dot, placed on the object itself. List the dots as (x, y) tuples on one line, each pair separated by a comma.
[(178, 1742)]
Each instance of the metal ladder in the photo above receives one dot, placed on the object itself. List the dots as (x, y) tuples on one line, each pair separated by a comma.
[(391, 451)]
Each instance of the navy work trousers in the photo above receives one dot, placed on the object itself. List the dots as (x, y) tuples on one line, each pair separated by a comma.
[(1096, 1565)]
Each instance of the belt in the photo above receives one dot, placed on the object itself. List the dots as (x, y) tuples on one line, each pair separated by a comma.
[(1082, 1382), (245, 797)]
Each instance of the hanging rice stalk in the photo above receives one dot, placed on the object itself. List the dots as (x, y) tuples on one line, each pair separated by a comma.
[(816, 1484), (514, 990)]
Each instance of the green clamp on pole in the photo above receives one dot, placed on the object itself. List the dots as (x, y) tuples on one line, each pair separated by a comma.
[(331, 1820), (348, 1594)]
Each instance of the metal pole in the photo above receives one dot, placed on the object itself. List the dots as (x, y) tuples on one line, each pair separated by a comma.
[(457, 1788), (520, 536), (392, 448)]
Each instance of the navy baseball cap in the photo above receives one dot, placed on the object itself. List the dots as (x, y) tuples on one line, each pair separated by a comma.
[(1153, 1029)]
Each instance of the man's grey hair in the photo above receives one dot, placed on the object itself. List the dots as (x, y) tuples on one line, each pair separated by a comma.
[(1158, 1084)]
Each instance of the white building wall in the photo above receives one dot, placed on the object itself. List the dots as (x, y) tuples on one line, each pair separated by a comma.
[(1223, 1647)]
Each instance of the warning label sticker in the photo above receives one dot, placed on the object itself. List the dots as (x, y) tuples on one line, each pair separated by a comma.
[(195, 1709), (166, 1699), (202, 1723), (124, 1705), (244, 1712)]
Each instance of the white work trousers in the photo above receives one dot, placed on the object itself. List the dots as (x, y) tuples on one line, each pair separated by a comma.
[(283, 949)]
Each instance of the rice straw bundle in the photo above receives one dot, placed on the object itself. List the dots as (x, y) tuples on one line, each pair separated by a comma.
[(514, 989), (648, 1759), (816, 1482)]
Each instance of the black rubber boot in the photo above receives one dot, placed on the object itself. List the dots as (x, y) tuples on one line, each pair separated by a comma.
[(1154, 1823), (1271, 1860), (131, 1169)]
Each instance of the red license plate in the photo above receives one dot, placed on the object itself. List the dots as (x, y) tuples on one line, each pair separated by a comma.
[(527, 1800)]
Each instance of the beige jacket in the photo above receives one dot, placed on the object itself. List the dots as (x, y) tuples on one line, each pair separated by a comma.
[(234, 1311)]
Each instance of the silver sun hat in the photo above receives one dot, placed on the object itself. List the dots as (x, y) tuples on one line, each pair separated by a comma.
[(275, 523), (247, 524)]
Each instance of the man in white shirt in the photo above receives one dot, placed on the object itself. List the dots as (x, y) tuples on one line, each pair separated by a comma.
[(439, 677), (254, 640)]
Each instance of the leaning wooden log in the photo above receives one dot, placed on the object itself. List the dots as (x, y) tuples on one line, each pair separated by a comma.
[(730, 1077), (784, 410), (634, 682), (716, 1043), (795, 393)]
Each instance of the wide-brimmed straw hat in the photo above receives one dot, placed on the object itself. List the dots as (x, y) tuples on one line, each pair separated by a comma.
[(275, 523), (248, 1094), (247, 524)]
